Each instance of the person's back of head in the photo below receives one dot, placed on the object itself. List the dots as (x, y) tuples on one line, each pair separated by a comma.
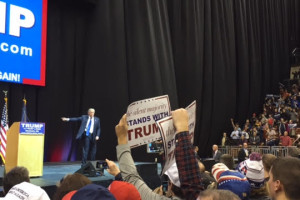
[(15, 176), (268, 160), (293, 152), (284, 178), (208, 180), (227, 160), (259, 192), (217, 195), (90, 192), (201, 166), (69, 183)]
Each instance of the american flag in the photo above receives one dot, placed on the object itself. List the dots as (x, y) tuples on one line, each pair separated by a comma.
[(4, 129)]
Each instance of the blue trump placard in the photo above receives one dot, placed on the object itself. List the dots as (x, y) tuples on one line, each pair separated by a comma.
[(23, 26), (32, 128)]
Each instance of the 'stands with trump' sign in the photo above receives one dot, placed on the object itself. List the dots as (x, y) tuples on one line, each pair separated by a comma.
[(141, 118), (167, 131)]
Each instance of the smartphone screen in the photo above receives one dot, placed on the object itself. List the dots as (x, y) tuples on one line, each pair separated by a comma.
[(105, 166), (102, 165), (165, 186)]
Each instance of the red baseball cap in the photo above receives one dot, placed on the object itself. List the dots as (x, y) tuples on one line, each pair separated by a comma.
[(124, 191)]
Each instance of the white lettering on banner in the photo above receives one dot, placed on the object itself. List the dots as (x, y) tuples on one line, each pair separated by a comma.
[(141, 117), (4, 47), (15, 49), (4, 76), (19, 18), (32, 128), (16, 22), (27, 125)]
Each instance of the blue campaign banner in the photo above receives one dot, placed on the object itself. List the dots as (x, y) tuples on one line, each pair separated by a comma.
[(23, 26), (32, 128)]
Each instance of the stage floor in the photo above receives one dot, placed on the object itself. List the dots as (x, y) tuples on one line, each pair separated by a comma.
[(53, 172)]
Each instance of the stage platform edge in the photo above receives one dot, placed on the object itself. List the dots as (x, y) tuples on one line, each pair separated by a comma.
[(54, 171)]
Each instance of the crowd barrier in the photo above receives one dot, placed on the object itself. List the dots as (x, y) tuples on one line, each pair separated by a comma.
[(278, 151)]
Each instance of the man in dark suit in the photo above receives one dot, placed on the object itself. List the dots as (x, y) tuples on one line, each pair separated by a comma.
[(216, 153), (243, 153), (88, 133), (255, 139)]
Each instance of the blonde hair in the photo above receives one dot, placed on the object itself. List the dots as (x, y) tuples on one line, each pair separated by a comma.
[(91, 110)]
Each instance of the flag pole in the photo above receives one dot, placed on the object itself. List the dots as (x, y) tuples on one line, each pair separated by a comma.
[(4, 128), (5, 99)]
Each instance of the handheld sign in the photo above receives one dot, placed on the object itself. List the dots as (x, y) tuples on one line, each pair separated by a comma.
[(166, 128), (141, 118), (167, 131), (191, 109)]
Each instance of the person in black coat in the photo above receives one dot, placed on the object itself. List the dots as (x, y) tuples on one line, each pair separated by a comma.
[(243, 153)]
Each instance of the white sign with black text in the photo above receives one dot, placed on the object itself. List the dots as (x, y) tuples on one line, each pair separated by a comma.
[(167, 130), (141, 118)]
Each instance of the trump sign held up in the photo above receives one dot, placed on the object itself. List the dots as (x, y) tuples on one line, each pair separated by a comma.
[(141, 118), (23, 26)]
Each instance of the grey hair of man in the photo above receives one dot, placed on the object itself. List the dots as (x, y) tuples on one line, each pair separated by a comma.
[(91, 110)]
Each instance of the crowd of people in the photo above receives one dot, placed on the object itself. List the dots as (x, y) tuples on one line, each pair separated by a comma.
[(257, 177), (277, 125)]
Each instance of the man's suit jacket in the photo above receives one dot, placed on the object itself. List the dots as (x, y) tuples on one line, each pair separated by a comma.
[(255, 139), (242, 155), (217, 156), (84, 119)]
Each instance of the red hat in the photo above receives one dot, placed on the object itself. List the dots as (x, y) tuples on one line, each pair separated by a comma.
[(69, 195), (91, 192), (124, 191)]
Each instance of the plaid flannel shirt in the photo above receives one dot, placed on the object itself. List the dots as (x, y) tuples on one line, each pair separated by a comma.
[(188, 168)]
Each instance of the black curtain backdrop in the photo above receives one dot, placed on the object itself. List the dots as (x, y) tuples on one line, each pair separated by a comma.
[(105, 54)]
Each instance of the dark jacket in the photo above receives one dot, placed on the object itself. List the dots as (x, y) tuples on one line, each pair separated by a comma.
[(217, 156), (242, 155), (84, 119)]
